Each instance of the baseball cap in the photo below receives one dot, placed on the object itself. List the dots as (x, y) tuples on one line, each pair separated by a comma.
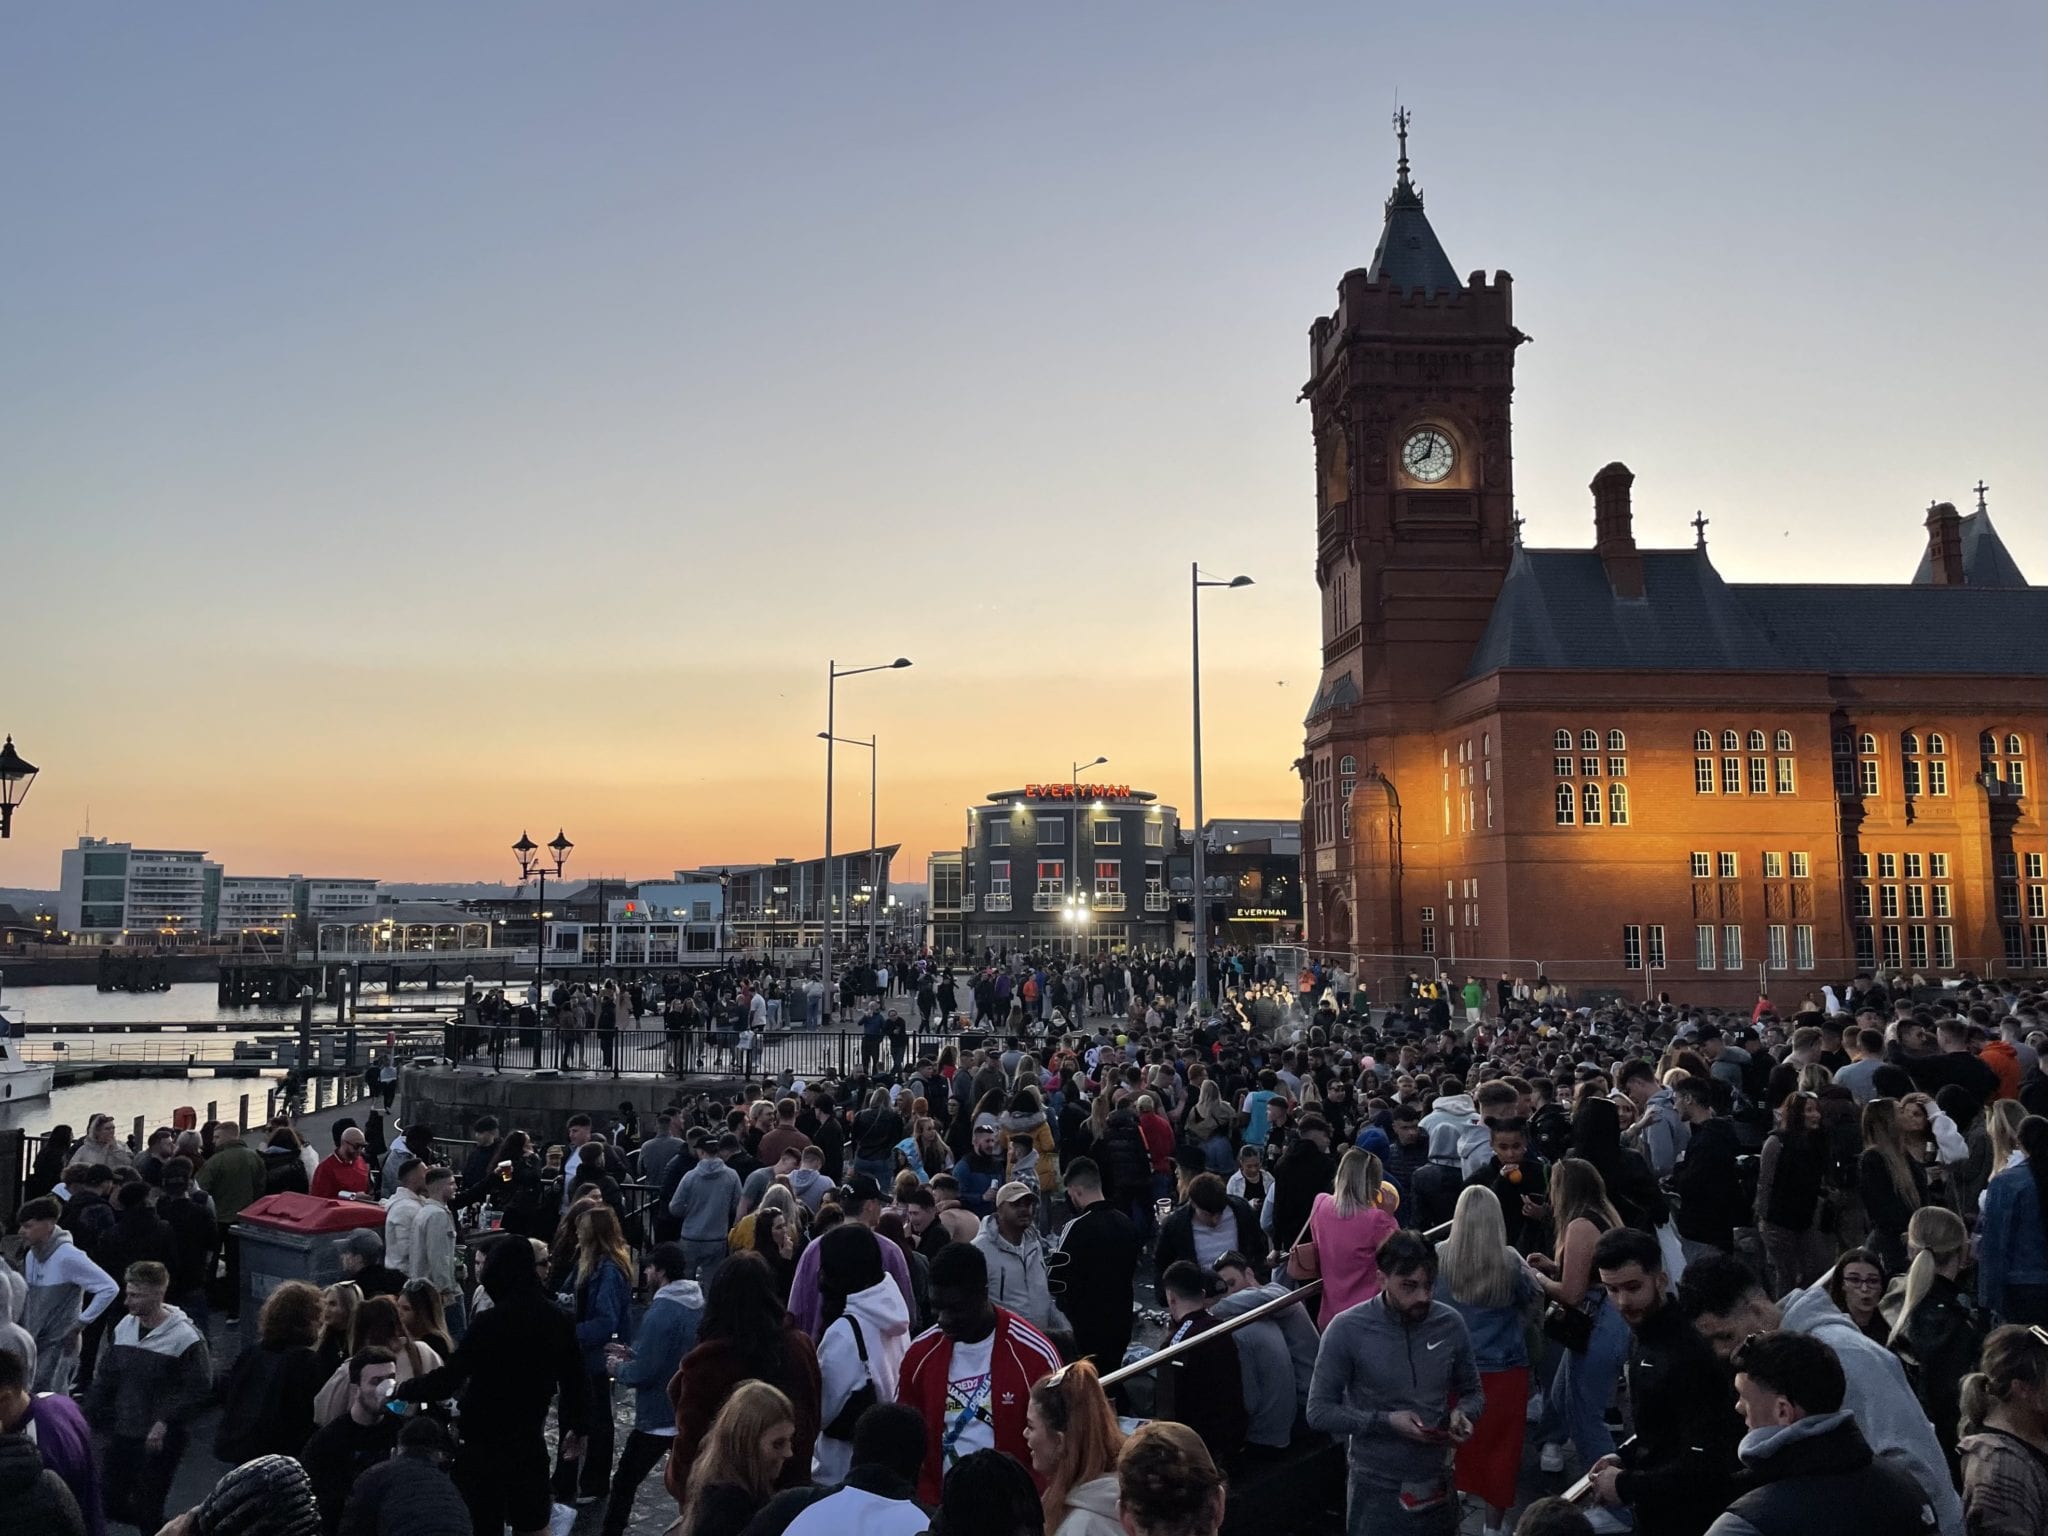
[(986, 1123), (859, 1188), (1016, 1189)]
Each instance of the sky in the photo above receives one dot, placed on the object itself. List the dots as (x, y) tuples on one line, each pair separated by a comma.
[(426, 423)]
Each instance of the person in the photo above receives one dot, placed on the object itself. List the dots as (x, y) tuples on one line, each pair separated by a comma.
[(1856, 1288), (1791, 1183), (1242, 1291), (518, 1357), (2012, 1228), (706, 1203), (970, 1375), (1589, 1368), (1937, 1329), (188, 1213), (1074, 1439), (1016, 1254), (745, 1333), (1167, 1484), (56, 1432), (1892, 1182), (1203, 1389), (667, 1332), (287, 1163), (233, 1177), (2005, 1435), (101, 1148), (410, 1494), (1398, 1376), (979, 1173), (987, 1493), (424, 1318), (355, 1440), (1707, 1181), (1727, 1303), (267, 1400), (153, 1378), (401, 1211), (1517, 1178), (362, 1260), (34, 1501), (1485, 1280), (1094, 1269), (879, 1496), (137, 1234), (338, 1304), (1678, 1470), (437, 1250), (1349, 1226), (1305, 1170), (741, 1463), (1807, 1465), (66, 1292), (601, 1302), (860, 1354), (377, 1325), (861, 1199), (1209, 1223)]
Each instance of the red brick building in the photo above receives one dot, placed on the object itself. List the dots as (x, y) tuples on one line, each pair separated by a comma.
[(1597, 761)]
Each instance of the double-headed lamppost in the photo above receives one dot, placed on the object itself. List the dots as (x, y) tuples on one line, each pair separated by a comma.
[(874, 778), (16, 774), (1196, 583), (532, 863), (834, 672)]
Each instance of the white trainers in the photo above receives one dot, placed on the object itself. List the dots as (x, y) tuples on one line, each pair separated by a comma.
[(1535, 1414), (1551, 1458)]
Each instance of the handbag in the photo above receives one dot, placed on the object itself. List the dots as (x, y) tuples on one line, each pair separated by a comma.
[(1570, 1326), (1303, 1262), (861, 1399)]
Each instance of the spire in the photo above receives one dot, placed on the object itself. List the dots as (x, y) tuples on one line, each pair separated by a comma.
[(1699, 531), (1409, 255)]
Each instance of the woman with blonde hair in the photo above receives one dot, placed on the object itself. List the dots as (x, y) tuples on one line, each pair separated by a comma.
[(1936, 1328), (2003, 1125), (1072, 1433), (2005, 1436), (338, 1305), (1347, 1227), (739, 1463), (1591, 1331), (1486, 1281), (1892, 1181), (1209, 1126)]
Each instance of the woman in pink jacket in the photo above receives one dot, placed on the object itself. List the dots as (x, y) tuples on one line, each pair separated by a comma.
[(1348, 1227)]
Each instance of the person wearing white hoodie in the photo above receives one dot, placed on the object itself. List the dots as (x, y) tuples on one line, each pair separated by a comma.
[(66, 1293), (860, 1353)]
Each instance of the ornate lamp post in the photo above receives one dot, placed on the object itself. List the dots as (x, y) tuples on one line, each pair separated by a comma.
[(16, 774), (532, 863)]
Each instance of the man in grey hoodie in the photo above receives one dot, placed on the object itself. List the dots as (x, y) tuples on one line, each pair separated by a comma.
[(706, 1202), (1660, 1132), (1398, 1376), (1727, 1304), (1017, 1277), (66, 1293)]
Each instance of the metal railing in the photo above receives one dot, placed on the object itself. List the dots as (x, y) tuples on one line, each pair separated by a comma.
[(696, 1052)]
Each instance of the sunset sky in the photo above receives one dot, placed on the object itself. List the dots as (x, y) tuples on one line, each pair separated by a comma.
[(428, 422)]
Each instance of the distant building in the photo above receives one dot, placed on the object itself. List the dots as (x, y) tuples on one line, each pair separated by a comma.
[(116, 893), (782, 905), (289, 904)]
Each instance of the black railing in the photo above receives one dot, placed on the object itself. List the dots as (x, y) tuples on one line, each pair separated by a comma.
[(687, 1053)]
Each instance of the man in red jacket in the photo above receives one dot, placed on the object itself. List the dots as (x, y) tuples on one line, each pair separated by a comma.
[(345, 1171), (971, 1376)]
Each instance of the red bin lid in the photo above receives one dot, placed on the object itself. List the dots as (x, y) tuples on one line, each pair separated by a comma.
[(289, 1212)]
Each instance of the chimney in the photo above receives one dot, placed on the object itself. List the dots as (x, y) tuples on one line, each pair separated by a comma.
[(1945, 544), (1614, 536)]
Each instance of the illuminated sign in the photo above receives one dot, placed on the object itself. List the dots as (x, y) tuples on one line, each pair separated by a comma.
[(1077, 791), (1258, 915)]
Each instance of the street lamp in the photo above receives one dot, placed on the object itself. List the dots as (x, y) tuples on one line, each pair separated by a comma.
[(1196, 584), (1077, 914), (833, 672), (532, 863), (874, 778), (16, 774), (1079, 817)]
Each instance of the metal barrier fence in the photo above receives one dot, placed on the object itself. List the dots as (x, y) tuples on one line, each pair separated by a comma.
[(660, 1053)]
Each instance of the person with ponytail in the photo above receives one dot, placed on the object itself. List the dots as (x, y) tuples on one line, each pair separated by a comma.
[(2005, 1436), (1891, 1180), (2012, 1229), (1937, 1329)]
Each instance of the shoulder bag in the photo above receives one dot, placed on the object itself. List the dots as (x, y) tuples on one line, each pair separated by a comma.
[(1303, 1262), (861, 1399)]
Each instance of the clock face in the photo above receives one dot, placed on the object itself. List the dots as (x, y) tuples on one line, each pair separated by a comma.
[(1427, 455)]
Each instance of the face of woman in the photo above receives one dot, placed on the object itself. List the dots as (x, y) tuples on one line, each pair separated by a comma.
[(1813, 1114), (775, 1446), (406, 1316), (1861, 1288), (1913, 1117), (1043, 1441), (331, 1312)]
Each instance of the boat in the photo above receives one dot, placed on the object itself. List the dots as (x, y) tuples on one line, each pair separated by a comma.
[(20, 1079)]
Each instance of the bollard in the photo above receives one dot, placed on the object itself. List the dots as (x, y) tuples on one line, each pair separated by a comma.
[(270, 1105), (213, 1110), (139, 1143), (244, 1111)]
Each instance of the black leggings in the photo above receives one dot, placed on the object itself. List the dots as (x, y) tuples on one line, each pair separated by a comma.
[(642, 1455)]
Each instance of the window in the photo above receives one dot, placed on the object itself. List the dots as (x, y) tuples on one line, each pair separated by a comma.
[(999, 831), (1887, 901), (1562, 741), (1802, 866), (1861, 898), (1935, 745), (1784, 741), (1844, 747), (1916, 901), (1703, 775), (2014, 747), (1730, 742), (1909, 744), (1868, 774), (1890, 935), (1702, 866), (1703, 946), (1802, 946), (2016, 774), (1052, 877), (1941, 908), (1052, 829), (1155, 834), (2037, 942), (2037, 901), (2015, 952), (1567, 805), (1774, 866), (1616, 742), (1617, 805), (1937, 776), (1730, 865), (1756, 741), (1109, 877), (1427, 938), (1786, 778), (1590, 767), (1703, 741), (999, 877), (1731, 947), (1347, 774), (1909, 776), (1845, 775), (1912, 866), (1429, 914), (1916, 946), (1564, 767), (2008, 864), (1731, 775), (1937, 865), (1862, 866), (1945, 948), (1106, 834), (1657, 961), (1866, 946), (1775, 937), (1631, 947), (1592, 805), (2033, 866), (1617, 767), (1866, 745), (1589, 741), (1759, 775)]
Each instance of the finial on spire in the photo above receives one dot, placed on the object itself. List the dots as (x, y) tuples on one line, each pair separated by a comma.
[(1980, 489), (1517, 520), (1699, 531), (1401, 132)]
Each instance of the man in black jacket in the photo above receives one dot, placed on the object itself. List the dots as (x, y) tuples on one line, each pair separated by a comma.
[(1808, 1466), (1094, 1269), (1304, 1171), (1678, 1470), (1707, 1181), (1224, 1221)]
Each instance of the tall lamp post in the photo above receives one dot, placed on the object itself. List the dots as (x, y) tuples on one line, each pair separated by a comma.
[(1196, 583), (874, 779), (16, 774), (834, 672), (532, 863)]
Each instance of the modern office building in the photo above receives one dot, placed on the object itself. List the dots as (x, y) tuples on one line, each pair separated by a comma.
[(116, 893), (265, 904)]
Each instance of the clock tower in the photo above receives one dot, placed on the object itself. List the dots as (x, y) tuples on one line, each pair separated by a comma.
[(1409, 393)]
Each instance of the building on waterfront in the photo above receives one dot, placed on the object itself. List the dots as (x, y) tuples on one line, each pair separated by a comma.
[(1057, 866), (629, 923), (116, 893), (290, 904), (1614, 763), (782, 905)]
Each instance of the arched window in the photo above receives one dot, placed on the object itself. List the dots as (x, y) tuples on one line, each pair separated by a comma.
[(1844, 747), (1348, 767), (1867, 744), (1562, 741), (1592, 805), (1935, 745), (2014, 747), (1784, 741), (1617, 804), (1730, 742), (1909, 744), (1756, 741), (1616, 742), (1987, 745), (1703, 741), (1567, 805), (1589, 741)]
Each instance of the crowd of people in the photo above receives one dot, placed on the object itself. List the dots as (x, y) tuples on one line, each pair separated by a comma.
[(1418, 1259)]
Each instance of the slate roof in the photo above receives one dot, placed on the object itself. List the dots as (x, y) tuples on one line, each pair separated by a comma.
[(1409, 256), (1556, 611), (1986, 561)]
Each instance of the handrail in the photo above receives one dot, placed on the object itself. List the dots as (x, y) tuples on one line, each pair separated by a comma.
[(1229, 1325)]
